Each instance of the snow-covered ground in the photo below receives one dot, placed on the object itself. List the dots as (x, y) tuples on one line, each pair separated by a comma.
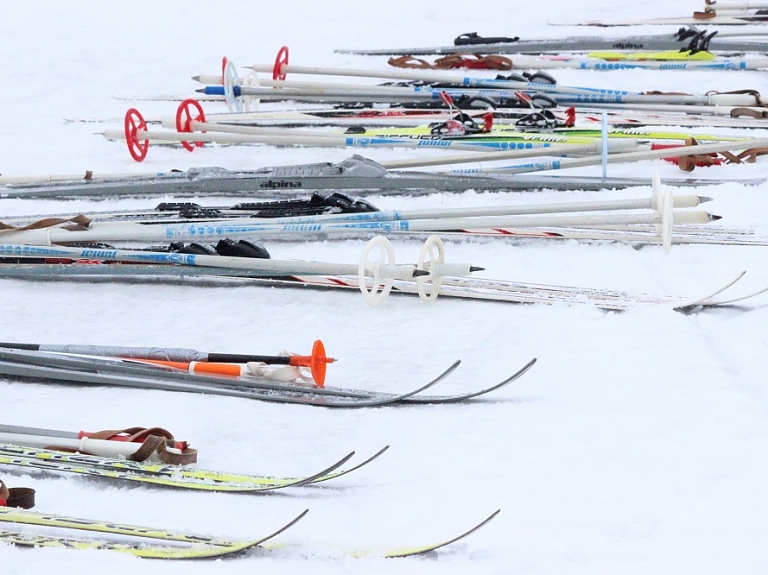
[(637, 444)]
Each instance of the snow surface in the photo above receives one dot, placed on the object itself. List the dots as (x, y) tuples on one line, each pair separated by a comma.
[(637, 444)]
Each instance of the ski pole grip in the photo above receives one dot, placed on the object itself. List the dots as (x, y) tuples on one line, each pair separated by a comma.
[(733, 100), (396, 272), (452, 269)]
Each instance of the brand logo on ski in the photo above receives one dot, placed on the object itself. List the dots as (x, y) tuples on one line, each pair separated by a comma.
[(272, 184)]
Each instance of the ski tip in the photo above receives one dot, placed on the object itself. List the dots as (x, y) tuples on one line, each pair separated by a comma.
[(714, 217), (704, 199), (475, 269)]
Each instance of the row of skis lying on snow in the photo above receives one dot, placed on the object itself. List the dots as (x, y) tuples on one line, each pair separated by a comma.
[(233, 375), (518, 112), (80, 247), (153, 457), (150, 457)]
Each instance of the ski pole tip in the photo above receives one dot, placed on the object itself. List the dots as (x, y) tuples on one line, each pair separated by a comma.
[(196, 78), (475, 269), (704, 199), (420, 273), (714, 217)]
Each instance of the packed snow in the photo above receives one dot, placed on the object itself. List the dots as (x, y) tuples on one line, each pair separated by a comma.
[(636, 444)]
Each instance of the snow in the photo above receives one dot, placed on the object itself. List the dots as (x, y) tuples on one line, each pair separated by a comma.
[(637, 444)]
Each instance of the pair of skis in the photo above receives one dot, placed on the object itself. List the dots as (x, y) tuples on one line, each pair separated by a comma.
[(153, 543), (377, 261), (18, 454), (37, 366), (477, 289)]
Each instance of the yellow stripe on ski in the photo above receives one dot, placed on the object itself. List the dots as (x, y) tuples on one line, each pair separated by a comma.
[(671, 55), (145, 550)]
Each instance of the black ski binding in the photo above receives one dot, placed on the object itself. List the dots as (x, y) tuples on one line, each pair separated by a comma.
[(538, 77), (472, 38), (540, 120), (461, 125)]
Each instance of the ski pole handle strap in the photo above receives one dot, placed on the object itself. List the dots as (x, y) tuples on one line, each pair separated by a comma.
[(132, 434), (23, 497), (409, 62), (186, 457), (159, 445), (474, 62), (79, 223), (153, 440)]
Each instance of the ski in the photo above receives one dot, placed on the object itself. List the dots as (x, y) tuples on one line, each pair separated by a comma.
[(419, 550), (153, 354), (561, 135), (144, 550), (473, 394), (742, 20), (162, 544), (159, 475), (198, 546), (686, 38), (516, 292), (358, 174), (334, 396), (354, 174), (413, 550), (451, 287)]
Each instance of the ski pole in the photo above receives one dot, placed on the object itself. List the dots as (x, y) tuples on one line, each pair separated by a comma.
[(131, 435), (101, 447), (631, 156), (137, 138), (569, 93), (237, 365)]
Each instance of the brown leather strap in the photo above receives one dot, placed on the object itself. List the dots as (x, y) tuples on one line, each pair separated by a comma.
[(79, 223), (23, 497), (472, 61), (409, 62), (150, 445), (153, 440), (132, 433), (707, 14), (750, 155), (688, 162), (730, 157), (750, 112)]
